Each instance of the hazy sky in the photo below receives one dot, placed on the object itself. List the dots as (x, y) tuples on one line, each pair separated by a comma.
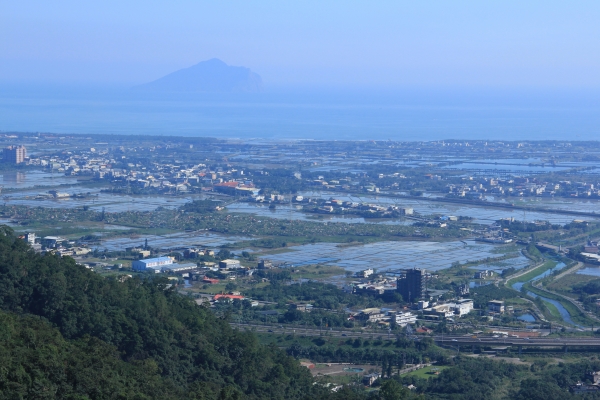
[(307, 43)]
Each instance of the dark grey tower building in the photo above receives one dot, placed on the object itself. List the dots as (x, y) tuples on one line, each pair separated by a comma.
[(413, 284)]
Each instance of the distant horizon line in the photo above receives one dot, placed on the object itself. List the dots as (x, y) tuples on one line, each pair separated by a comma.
[(310, 86), (288, 139)]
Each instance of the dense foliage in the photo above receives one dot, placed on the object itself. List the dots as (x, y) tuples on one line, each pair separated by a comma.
[(365, 351), (149, 327), (37, 362), (483, 294), (201, 206), (322, 295), (590, 288), (480, 378)]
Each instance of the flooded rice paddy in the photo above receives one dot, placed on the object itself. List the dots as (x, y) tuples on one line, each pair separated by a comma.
[(171, 241), (29, 179), (294, 212), (481, 215), (96, 200), (389, 256), (593, 271)]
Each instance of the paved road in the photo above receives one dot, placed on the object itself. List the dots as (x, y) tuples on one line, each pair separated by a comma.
[(451, 340), (283, 329), (522, 271), (569, 271), (533, 342)]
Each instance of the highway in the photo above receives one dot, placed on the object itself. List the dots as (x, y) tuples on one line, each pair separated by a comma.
[(456, 340), (288, 330), (449, 340)]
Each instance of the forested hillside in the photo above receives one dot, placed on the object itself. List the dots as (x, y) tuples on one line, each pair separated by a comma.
[(68, 333)]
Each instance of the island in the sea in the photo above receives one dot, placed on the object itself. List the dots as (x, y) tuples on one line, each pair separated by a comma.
[(207, 76)]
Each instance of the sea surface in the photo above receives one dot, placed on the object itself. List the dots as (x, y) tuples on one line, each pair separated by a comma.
[(408, 114)]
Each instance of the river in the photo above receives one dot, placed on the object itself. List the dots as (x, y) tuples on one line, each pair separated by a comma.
[(564, 314)]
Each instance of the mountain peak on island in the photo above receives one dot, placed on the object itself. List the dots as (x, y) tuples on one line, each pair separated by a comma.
[(207, 76)]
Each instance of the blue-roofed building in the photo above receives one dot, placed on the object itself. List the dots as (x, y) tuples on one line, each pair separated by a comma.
[(152, 263)]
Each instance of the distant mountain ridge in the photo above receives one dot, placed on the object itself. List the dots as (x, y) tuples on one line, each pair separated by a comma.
[(207, 76)]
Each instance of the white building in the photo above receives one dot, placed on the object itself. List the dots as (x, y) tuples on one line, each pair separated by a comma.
[(371, 315), (30, 237), (366, 273), (173, 268), (496, 306), (444, 310), (405, 318), (229, 264), (462, 307), (153, 263)]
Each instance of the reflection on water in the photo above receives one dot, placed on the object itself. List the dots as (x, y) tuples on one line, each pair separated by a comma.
[(117, 202), (473, 284), (561, 310), (24, 179), (9, 178), (171, 241), (294, 212), (96, 200), (480, 215), (387, 255), (519, 285), (564, 314), (526, 318), (513, 168), (593, 271)]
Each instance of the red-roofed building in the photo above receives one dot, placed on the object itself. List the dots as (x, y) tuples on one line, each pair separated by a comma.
[(231, 184), (425, 330), (211, 281), (236, 188), (227, 187)]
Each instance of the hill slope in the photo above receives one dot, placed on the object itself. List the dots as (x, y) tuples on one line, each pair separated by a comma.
[(208, 76), (152, 333)]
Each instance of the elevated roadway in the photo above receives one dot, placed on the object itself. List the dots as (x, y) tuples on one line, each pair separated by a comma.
[(441, 340), (297, 330), (480, 341)]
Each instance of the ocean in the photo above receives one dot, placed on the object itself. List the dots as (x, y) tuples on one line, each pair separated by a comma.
[(403, 114)]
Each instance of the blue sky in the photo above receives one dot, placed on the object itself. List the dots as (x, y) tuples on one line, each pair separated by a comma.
[(306, 43)]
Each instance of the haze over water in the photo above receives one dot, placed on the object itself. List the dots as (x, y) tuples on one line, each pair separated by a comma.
[(395, 70), (399, 114)]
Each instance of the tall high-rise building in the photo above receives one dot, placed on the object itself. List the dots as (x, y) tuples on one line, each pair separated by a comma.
[(413, 284), (14, 154)]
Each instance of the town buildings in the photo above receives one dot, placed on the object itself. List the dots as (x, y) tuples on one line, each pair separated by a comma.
[(14, 154)]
